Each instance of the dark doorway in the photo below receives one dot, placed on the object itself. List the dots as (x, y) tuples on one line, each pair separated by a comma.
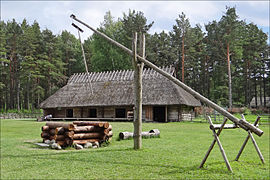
[(120, 113), (159, 114), (69, 113), (92, 113)]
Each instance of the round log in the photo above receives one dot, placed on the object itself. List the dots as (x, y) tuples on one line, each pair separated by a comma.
[(54, 125), (45, 128), (110, 134), (156, 131), (59, 130), (79, 129), (87, 136), (45, 134), (106, 131), (91, 123), (125, 135), (110, 127), (59, 137), (69, 134), (68, 141), (52, 132)]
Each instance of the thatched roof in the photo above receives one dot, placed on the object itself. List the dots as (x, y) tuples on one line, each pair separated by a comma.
[(115, 88), (253, 102)]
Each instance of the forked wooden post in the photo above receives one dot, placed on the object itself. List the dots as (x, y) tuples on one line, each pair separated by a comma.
[(138, 69), (219, 144), (253, 141)]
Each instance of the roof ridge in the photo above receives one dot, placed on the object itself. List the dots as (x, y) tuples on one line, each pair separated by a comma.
[(117, 75)]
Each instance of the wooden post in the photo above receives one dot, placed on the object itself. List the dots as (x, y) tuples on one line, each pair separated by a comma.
[(214, 141), (220, 145), (242, 124), (137, 92), (138, 69)]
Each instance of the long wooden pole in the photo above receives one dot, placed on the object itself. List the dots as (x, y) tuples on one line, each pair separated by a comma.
[(241, 123), (220, 145)]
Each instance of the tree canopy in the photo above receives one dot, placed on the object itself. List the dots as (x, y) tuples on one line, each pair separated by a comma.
[(228, 63)]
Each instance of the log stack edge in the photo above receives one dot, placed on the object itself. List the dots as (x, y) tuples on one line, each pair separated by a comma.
[(78, 132)]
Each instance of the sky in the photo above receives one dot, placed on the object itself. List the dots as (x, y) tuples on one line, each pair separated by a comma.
[(55, 15)]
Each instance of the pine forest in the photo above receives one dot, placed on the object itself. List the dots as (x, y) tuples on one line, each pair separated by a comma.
[(227, 60)]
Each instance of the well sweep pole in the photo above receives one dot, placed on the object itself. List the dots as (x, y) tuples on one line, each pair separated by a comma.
[(241, 123)]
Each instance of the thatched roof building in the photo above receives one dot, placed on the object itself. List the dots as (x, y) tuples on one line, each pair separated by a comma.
[(114, 89)]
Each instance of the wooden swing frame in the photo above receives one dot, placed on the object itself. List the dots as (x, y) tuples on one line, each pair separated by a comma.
[(222, 126)]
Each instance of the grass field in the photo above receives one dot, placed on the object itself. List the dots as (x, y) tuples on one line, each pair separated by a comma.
[(175, 155)]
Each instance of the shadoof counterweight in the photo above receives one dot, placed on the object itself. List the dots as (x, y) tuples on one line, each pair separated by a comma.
[(239, 122)]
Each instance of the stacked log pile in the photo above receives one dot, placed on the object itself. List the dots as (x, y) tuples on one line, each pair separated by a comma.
[(59, 132), (86, 131), (79, 132)]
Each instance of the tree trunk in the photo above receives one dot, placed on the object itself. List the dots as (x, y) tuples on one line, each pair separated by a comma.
[(246, 85), (183, 59), (229, 76), (18, 94), (261, 103), (264, 90), (255, 91)]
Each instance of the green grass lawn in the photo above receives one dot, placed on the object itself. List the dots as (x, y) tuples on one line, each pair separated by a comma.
[(176, 154)]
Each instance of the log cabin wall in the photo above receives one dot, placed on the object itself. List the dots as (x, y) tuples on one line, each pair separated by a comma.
[(187, 113), (57, 112), (173, 113), (109, 112), (77, 112)]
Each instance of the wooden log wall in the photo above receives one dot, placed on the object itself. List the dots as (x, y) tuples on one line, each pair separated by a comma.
[(78, 132)]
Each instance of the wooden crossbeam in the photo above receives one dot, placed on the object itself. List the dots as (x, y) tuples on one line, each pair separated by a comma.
[(227, 126)]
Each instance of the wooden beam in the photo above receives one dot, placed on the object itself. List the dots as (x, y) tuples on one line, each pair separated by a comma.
[(242, 124)]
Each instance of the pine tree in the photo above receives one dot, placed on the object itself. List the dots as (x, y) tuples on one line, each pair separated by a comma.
[(181, 31)]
